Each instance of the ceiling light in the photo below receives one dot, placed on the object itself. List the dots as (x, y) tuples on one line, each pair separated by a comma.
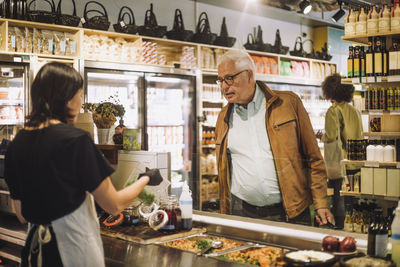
[(338, 15), (305, 6)]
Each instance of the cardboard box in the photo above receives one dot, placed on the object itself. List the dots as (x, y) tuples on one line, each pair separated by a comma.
[(393, 183), (367, 181), (380, 181)]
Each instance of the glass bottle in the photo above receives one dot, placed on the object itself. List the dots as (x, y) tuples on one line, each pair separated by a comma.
[(372, 21), (362, 62), (369, 58), (350, 23), (361, 24), (171, 206), (393, 58), (378, 58), (395, 19), (350, 63), (385, 55), (372, 237), (381, 239), (356, 62), (384, 19), (347, 222)]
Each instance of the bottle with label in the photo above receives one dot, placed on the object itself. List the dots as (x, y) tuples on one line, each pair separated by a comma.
[(378, 58), (362, 62), (385, 55), (367, 99), (384, 19), (372, 21), (350, 23), (381, 239), (389, 99), (350, 63), (171, 207), (361, 24), (393, 58), (395, 238), (356, 62), (186, 205), (382, 98), (395, 19), (369, 59), (347, 222)]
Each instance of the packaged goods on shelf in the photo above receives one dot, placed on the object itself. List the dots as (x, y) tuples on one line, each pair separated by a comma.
[(361, 24), (162, 60), (212, 92), (208, 60), (350, 23), (149, 52), (188, 59), (266, 65)]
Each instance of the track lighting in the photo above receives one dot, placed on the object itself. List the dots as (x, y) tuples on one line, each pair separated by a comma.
[(338, 15), (305, 6)]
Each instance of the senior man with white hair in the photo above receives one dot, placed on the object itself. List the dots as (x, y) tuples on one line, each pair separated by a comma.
[(269, 163)]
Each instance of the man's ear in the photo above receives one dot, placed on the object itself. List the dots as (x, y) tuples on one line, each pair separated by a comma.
[(251, 74)]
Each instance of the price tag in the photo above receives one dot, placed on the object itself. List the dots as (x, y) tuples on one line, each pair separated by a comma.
[(83, 20), (374, 164), (393, 78), (395, 112), (370, 79), (122, 23), (376, 112), (378, 79), (355, 80), (17, 59), (364, 79)]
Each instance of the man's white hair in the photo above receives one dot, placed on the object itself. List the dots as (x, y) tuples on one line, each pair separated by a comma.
[(241, 58)]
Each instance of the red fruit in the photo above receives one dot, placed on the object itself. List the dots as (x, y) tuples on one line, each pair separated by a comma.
[(330, 243), (348, 244)]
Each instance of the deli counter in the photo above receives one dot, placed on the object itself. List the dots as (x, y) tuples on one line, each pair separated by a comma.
[(118, 252)]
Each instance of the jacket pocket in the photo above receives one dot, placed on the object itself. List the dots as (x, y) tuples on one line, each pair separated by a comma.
[(282, 124)]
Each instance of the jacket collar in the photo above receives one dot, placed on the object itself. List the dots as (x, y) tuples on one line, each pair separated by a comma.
[(270, 97)]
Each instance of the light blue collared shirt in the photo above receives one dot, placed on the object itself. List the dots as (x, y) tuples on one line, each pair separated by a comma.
[(254, 177)]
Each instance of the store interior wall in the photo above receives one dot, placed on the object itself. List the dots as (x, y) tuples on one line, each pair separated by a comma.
[(239, 23)]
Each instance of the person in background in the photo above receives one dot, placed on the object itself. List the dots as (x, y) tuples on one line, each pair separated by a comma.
[(269, 163), (344, 116), (54, 170)]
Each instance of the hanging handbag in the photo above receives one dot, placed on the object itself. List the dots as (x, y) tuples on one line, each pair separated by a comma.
[(224, 39), (66, 19), (203, 33), (42, 15), (249, 45), (333, 154), (123, 27), (99, 22), (298, 50), (150, 27), (278, 48), (178, 31)]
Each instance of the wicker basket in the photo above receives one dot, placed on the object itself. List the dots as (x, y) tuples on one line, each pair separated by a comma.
[(99, 22)]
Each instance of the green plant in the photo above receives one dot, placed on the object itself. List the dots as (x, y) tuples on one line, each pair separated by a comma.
[(105, 113)]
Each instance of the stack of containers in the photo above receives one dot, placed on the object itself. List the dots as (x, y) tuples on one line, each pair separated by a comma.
[(188, 59), (149, 52)]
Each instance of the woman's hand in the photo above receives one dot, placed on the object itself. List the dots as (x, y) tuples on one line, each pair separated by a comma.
[(319, 134)]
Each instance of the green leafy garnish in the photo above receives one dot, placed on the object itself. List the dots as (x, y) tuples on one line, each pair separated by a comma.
[(146, 197), (202, 244)]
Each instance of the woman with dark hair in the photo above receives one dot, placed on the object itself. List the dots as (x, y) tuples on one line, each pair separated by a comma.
[(344, 120), (54, 170)]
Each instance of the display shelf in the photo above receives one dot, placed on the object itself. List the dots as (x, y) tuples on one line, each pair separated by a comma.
[(11, 239), (209, 174), (381, 134), (363, 38), (368, 80), (208, 125), (287, 79), (371, 163), (4, 192), (10, 226), (11, 122), (379, 112), (361, 195), (217, 101)]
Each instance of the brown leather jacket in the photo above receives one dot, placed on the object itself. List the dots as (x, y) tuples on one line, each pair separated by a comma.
[(298, 160)]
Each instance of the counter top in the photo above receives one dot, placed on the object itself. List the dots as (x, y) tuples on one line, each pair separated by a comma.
[(119, 253)]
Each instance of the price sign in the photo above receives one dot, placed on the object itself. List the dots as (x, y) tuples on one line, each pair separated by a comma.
[(370, 79), (374, 164)]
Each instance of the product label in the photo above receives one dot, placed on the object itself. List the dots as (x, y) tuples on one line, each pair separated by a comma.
[(62, 46), (350, 68), (349, 28), (361, 27), (395, 236), (378, 62), (372, 26), (362, 67), (384, 25), (356, 67), (381, 245), (50, 48), (13, 41), (392, 60), (369, 64), (395, 23)]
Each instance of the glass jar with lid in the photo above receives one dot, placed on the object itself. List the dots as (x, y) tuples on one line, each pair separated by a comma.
[(171, 206)]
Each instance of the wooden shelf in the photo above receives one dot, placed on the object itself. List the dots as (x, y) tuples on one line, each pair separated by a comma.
[(375, 164), (363, 38), (208, 146), (110, 152), (357, 194), (382, 134), (380, 112)]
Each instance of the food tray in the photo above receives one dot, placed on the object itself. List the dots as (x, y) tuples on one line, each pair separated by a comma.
[(264, 256), (192, 243)]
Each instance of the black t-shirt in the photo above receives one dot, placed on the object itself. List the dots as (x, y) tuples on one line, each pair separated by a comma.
[(51, 169)]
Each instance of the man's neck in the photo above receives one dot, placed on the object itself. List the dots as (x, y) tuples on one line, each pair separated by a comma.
[(250, 99)]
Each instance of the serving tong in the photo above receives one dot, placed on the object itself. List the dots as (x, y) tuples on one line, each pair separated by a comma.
[(246, 246)]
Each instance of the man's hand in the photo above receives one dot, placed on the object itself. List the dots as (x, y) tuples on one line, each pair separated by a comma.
[(319, 134), (324, 216)]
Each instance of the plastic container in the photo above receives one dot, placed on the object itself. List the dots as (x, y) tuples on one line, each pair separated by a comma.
[(379, 152), (396, 236), (388, 151), (186, 205), (371, 150)]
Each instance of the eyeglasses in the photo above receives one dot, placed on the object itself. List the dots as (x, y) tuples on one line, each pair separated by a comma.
[(228, 79)]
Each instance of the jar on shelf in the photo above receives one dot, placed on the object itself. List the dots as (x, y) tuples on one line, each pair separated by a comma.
[(171, 206)]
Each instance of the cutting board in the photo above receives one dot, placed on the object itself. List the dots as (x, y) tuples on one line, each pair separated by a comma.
[(143, 234)]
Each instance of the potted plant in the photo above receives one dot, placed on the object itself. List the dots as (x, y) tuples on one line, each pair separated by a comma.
[(104, 116)]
